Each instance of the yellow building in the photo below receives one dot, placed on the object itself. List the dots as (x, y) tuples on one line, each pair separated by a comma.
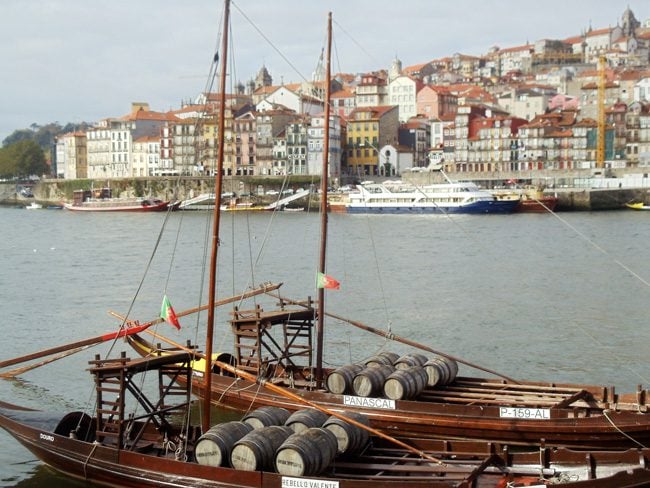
[(369, 129)]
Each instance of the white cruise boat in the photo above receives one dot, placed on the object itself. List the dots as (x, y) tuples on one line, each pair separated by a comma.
[(451, 197)]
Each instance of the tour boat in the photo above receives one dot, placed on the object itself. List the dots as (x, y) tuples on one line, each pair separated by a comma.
[(442, 198)]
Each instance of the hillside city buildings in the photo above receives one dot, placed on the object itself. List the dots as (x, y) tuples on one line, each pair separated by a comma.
[(520, 108)]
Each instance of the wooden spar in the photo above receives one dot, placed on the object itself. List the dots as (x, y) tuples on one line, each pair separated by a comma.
[(391, 336), (323, 210), (133, 330), (265, 288), (218, 184), (73, 345), (282, 391), (15, 372)]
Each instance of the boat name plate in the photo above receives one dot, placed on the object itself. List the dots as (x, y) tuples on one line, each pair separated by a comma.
[(524, 413), (356, 401), (307, 483), (46, 437)]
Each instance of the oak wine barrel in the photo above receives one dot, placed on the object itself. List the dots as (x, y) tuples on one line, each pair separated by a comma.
[(307, 453), (214, 447), (306, 419), (350, 438), (256, 450), (385, 357), (413, 359), (340, 380), (267, 416), (404, 384), (441, 370), (370, 381)]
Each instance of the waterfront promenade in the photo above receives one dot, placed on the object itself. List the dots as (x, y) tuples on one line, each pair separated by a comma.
[(577, 189)]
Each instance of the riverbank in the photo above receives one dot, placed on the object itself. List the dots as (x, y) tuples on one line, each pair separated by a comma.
[(57, 192)]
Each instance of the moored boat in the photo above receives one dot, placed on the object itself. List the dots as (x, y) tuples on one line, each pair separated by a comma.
[(461, 407), (442, 198), (161, 446), (637, 206), (537, 204), (530, 200), (84, 201)]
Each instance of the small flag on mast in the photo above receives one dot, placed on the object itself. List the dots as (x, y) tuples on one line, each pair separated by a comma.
[(326, 281), (167, 313)]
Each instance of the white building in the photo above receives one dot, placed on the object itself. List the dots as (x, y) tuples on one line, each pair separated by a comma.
[(301, 104), (146, 156), (315, 146), (642, 90), (402, 92)]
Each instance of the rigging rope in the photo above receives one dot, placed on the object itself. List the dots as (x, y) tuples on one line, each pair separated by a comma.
[(605, 412)]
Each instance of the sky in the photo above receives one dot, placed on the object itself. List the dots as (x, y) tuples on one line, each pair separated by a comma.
[(78, 60)]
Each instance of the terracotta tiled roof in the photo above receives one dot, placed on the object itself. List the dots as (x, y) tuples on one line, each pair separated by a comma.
[(560, 133), (344, 93), (415, 68), (149, 115), (599, 32), (573, 40), (633, 75), (376, 112), (586, 123), (594, 86), (148, 139), (265, 90), (525, 47)]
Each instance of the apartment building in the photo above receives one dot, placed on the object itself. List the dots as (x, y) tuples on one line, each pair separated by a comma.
[(71, 156), (269, 124), (145, 160), (316, 146), (369, 129)]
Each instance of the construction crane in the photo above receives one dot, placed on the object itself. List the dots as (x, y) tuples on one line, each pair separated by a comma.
[(600, 137)]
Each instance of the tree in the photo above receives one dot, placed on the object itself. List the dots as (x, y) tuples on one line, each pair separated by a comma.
[(22, 159), (17, 136)]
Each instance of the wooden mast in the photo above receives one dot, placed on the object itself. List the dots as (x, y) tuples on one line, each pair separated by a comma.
[(323, 209), (218, 183)]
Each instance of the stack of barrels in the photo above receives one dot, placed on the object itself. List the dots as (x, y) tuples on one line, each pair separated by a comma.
[(392, 376), (303, 443)]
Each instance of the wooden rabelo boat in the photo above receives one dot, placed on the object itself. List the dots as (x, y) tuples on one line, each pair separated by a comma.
[(85, 201), (275, 347), (160, 446)]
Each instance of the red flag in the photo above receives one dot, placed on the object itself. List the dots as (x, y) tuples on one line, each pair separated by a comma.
[(167, 313), (326, 281)]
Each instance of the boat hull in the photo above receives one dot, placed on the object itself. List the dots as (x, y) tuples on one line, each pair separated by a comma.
[(538, 205), (110, 207), (435, 416), (465, 465), (480, 207), (637, 206), (419, 419)]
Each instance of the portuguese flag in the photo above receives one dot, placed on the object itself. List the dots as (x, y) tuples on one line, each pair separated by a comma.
[(167, 313), (326, 281)]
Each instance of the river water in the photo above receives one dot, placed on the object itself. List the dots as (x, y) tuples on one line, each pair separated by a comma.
[(556, 297)]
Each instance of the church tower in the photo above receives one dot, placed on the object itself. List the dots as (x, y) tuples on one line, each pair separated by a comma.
[(395, 69), (629, 23), (263, 78)]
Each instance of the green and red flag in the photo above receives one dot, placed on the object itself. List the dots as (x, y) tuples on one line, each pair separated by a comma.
[(326, 281), (167, 313)]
